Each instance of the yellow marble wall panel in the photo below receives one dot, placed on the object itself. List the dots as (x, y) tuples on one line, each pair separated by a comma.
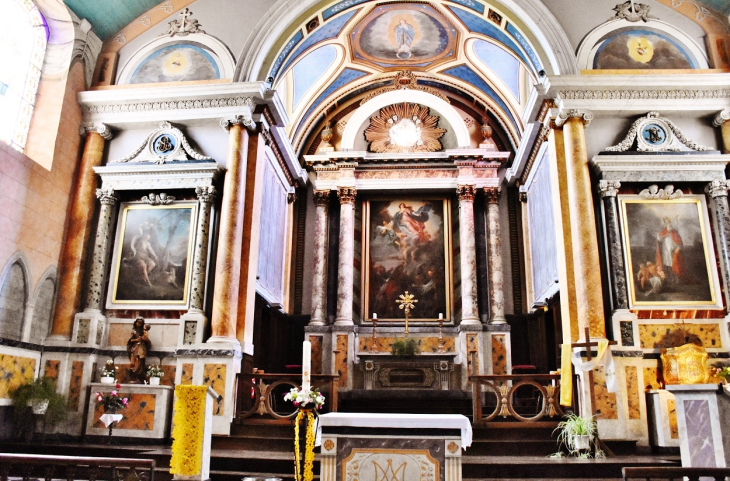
[(341, 359), (499, 355), (214, 375), (15, 371), (140, 415), (74, 389), (655, 336), (316, 354), (472, 346), (385, 344), (187, 373), (632, 392), (51, 369), (605, 401), (119, 334), (672, 410), (651, 378), (169, 378)]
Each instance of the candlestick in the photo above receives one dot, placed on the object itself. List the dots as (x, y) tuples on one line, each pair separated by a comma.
[(306, 365), (442, 346), (374, 344)]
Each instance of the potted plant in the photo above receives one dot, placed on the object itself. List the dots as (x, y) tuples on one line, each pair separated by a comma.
[(576, 432), (108, 373), (112, 401), (723, 373), (155, 373), (37, 400)]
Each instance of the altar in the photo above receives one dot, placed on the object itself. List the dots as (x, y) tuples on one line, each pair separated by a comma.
[(408, 447)]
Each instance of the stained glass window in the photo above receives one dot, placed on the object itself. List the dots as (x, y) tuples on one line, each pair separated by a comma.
[(23, 40)]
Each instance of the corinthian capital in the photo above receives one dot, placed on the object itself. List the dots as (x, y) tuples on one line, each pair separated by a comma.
[(721, 118), (346, 195), (608, 188), (206, 193), (492, 194), (466, 193), (99, 128), (717, 188), (321, 197), (107, 196), (584, 115)]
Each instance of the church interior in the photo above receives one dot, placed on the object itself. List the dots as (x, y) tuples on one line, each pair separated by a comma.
[(508, 211)]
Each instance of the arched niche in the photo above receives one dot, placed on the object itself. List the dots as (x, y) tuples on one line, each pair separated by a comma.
[(14, 290), (366, 110)]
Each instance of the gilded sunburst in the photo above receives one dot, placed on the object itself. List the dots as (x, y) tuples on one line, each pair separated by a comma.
[(404, 128)]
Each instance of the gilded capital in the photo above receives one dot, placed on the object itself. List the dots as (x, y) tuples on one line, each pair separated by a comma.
[(717, 188), (206, 194), (721, 118), (291, 197), (321, 197), (466, 193), (492, 194), (608, 188), (107, 196), (244, 120), (346, 195), (99, 128), (584, 115)]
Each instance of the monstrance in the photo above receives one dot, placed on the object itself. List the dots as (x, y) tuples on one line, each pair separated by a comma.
[(407, 302)]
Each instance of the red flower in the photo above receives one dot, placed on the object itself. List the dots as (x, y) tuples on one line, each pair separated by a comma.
[(118, 386)]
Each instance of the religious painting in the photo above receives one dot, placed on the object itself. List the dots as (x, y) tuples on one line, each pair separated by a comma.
[(407, 247), (180, 62), (641, 49), (403, 34), (670, 259), (152, 256)]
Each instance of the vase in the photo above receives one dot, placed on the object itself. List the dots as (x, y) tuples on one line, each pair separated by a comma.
[(106, 380), (154, 381), (581, 441), (39, 406)]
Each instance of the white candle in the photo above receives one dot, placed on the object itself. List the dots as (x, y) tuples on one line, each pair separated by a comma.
[(441, 315), (306, 364), (375, 315)]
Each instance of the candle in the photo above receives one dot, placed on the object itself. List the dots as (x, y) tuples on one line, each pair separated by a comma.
[(306, 364), (375, 315), (441, 315)]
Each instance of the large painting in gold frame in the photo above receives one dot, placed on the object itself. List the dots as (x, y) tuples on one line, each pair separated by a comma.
[(407, 247), (670, 259), (152, 256)]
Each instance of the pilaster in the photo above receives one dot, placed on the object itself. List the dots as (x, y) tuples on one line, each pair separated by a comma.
[(717, 190), (469, 310)]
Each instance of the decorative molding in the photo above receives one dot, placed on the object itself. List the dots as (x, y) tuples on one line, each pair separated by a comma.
[(99, 128), (633, 12), (717, 188), (271, 143), (184, 26), (163, 145), (608, 188), (244, 120), (466, 193), (584, 115), (107, 196), (154, 177), (346, 195), (420, 125), (404, 80), (542, 136), (648, 94), (86, 46), (492, 194), (189, 104), (206, 194), (321, 197), (661, 136), (721, 118), (161, 199), (667, 193)]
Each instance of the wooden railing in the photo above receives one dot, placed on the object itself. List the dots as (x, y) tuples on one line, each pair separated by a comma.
[(260, 397), (525, 397), (672, 473), (70, 468)]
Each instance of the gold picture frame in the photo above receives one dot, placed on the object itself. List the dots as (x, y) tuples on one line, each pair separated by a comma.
[(398, 258), (151, 264), (668, 253)]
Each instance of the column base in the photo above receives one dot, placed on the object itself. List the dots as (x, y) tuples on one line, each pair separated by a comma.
[(192, 328), (57, 340), (344, 322), (316, 323), (498, 320), (470, 322), (223, 342), (89, 328)]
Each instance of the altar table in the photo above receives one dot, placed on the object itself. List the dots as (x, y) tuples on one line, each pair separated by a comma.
[(407, 447)]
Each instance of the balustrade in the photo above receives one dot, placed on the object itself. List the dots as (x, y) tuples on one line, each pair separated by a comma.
[(39, 466)]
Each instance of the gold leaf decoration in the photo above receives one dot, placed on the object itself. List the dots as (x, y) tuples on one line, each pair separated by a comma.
[(404, 128)]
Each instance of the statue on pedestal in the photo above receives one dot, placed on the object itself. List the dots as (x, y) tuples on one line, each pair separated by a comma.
[(137, 348)]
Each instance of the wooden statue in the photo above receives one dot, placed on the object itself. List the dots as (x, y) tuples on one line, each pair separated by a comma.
[(137, 348)]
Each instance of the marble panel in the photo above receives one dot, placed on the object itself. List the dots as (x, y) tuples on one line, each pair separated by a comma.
[(341, 359), (385, 344), (15, 370), (82, 333), (632, 392), (605, 401), (699, 432), (316, 354), (187, 373), (140, 415), (191, 330), (627, 333), (472, 346), (499, 355), (74, 389), (51, 369), (651, 378), (661, 335), (673, 426), (119, 334), (389, 459), (214, 375), (169, 378)]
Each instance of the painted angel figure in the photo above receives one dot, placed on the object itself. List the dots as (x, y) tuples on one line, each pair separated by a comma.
[(404, 34), (411, 228)]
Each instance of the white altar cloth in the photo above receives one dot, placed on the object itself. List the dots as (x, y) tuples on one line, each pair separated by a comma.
[(412, 421)]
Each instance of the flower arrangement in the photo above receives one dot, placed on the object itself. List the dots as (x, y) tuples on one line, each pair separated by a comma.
[(155, 371), (301, 398), (576, 433), (187, 434), (112, 401), (405, 347), (109, 370), (722, 372)]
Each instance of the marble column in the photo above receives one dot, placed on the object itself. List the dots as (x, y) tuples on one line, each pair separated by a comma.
[(608, 190), (586, 259), (102, 244), (494, 257), (722, 121), (346, 258), (319, 280), (74, 253), (717, 189), (468, 255), (228, 266), (206, 196)]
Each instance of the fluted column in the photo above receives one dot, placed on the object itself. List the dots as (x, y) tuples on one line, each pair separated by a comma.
[(102, 244), (468, 255), (347, 254), (228, 266), (206, 196), (494, 258), (74, 253), (717, 189), (586, 259), (608, 190), (319, 281), (723, 122)]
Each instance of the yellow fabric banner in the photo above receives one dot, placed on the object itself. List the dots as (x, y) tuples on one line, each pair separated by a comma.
[(566, 376)]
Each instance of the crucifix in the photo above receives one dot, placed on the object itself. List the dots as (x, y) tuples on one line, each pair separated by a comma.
[(587, 345), (407, 302), (184, 14)]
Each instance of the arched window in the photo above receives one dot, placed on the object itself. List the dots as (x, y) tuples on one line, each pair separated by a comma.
[(23, 40), (13, 298)]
